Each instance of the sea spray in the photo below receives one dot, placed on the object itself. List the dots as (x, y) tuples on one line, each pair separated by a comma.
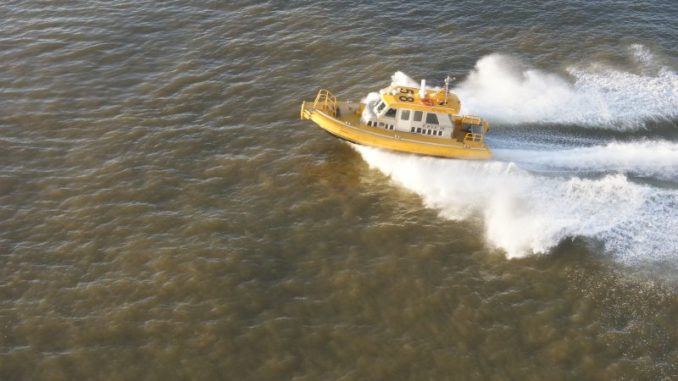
[(506, 91), (527, 213)]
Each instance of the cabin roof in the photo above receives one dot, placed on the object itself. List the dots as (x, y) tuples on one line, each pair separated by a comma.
[(408, 98)]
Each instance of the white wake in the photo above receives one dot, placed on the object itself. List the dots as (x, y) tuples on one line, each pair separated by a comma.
[(527, 213), (645, 158)]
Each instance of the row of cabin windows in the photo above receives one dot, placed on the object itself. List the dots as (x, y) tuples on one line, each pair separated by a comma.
[(431, 118), (424, 131), (418, 130), (380, 124)]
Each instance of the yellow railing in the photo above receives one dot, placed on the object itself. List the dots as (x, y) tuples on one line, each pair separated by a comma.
[(326, 101), (473, 139), (305, 113)]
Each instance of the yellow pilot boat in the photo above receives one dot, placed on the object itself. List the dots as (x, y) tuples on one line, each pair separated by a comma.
[(416, 120)]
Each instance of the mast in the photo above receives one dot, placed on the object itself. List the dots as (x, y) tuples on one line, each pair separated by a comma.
[(447, 86)]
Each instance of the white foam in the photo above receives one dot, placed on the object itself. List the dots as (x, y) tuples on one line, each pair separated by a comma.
[(648, 158), (642, 55), (505, 90), (526, 213), (401, 79)]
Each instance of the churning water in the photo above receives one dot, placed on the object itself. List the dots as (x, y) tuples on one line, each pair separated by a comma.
[(531, 199), (165, 215)]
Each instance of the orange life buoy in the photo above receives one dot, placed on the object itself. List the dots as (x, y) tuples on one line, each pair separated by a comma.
[(427, 101)]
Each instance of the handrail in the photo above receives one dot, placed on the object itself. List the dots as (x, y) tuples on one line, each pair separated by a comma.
[(471, 137), (326, 101)]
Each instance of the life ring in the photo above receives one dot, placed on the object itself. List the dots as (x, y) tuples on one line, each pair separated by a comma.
[(427, 101)]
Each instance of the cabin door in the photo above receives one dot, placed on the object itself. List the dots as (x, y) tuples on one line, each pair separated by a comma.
[(404, 119), (416, 122)]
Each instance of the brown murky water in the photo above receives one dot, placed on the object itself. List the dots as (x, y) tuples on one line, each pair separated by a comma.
[(165, 215)]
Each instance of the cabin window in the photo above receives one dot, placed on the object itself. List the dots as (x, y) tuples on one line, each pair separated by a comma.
[(380, 107), (391, 113), (417, 116), (440, 133), (405, 114), (369, 123), (431, 118), (381, 124), (474, 128), (419, 130), (413, 129)]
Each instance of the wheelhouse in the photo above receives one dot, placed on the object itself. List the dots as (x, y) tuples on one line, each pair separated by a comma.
[(402, 111)]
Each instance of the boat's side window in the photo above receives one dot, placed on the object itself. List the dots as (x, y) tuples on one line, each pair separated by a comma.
[(380, 106), (391, 113), (369, 123), (405, 114), (417, 116), (431, 118), (381, 124), (413, 129), (419, 130), (440, 133)]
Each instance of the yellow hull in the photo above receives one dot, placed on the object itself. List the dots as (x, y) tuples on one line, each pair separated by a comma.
[(348, 127)]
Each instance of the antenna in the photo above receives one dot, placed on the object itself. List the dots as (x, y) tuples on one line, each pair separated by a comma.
[(447, 86)]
